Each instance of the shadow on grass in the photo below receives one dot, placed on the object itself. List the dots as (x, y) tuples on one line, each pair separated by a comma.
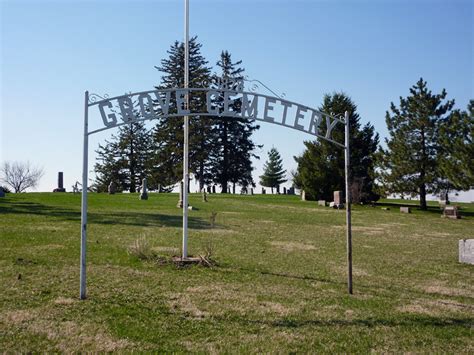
[(359, 287), (403, 321), (112, 218)]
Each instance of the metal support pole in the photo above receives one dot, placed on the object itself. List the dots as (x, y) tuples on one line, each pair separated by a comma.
[(348, 205), (84, 198), (186, 132)]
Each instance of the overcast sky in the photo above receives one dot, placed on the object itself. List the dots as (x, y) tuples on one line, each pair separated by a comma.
[(52, 51)]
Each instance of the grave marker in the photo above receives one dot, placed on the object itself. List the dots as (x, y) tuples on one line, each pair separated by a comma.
[(466, 251), (451, 212), (60, 187), (144, 192), (112, 188)]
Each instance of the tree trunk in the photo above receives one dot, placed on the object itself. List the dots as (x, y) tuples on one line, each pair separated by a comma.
[(131, 161), (233, 188), (224, 178), (423, 197), (423, 172), (201, 176)]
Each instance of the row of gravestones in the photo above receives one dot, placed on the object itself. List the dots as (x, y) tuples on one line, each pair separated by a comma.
[(337, 203)]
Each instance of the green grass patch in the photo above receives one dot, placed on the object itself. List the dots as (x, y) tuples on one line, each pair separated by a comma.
[(279, 286)]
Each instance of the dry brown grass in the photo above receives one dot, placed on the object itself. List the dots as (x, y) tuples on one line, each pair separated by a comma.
[(67, 335), (292, 246)]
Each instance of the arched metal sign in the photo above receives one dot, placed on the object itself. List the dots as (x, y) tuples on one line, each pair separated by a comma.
[(234, 102), (155, 104)]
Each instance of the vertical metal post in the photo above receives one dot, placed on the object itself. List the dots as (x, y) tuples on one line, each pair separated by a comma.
[(348, 204), (84, 197), (186, 132)]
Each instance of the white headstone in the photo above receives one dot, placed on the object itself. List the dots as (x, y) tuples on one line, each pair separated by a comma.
[(466, 251)]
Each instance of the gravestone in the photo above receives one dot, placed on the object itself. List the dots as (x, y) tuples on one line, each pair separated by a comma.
[(291, 191), (321, 202), (112, 188), (284, 190), (338, 202), (213, 189), (60, 187), (208, 189), (144, 192), (451, 212), (263, 191), (405, 210), (303, 195), (466, 251), (180, 202), (2, 193), (251, 191)]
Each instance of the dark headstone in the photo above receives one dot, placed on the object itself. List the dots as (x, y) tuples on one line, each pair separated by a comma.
[(60, 187), (2, 193), (451, 212), (112, 188), (251, 191), (208, 189), (213, 189), (284, 190), (263, 191), (291, 191), (144, 192)]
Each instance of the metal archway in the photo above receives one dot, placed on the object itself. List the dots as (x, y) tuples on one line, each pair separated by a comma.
[(163, 103)]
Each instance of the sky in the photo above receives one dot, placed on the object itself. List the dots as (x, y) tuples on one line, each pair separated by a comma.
[(374, 51)]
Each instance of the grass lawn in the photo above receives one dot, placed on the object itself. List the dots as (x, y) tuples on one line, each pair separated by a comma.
[(280, 283)]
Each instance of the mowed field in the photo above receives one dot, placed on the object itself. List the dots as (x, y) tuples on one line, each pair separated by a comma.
[(279, 286)]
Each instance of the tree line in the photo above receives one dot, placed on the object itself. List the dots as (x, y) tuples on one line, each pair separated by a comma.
[(220, 149), (429, 148)]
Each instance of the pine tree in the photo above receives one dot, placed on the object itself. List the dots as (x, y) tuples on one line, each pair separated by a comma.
[(456, 151), (321, 167), (273, 172), (409, 164), (168, 132), (124, 159), (233, 146)]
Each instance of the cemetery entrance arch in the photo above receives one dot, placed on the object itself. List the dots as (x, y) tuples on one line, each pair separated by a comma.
[(223, 98)]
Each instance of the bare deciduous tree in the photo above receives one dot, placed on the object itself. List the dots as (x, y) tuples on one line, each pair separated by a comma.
[(20, 176)]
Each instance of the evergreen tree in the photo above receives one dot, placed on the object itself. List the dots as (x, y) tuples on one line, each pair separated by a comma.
[(456, 152), (233, 146), (409, 164), (273, 172), (321, 167), (124, 158), (168, 132)]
